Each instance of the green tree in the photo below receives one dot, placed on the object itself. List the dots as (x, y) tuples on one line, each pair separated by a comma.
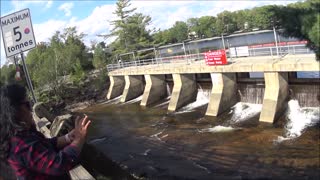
[(120, 29), (99, 57), (242, 20), (7, 73), (179, 32), (129, 29), (263, 17), (225, 23), (204, 26), (58, 62), (300, 20), (139, 36)]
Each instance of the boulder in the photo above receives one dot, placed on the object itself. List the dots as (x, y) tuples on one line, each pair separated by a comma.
[(61, 125), (42, 111)]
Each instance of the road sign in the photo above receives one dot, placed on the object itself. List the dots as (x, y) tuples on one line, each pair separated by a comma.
[(217, 57), (17, 32)]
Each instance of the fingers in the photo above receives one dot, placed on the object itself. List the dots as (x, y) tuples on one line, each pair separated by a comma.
[(84, 120), (87, 124)]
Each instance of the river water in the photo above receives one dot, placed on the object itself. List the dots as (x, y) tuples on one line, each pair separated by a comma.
[(128, 141)]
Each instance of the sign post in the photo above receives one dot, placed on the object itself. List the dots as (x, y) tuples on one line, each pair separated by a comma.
[(217, 57), (18, 36)]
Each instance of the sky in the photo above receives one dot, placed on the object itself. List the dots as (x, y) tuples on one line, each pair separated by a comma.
[(93, 17)]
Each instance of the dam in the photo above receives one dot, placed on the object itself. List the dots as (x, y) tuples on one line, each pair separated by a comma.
[(149, 80), (175, 117)]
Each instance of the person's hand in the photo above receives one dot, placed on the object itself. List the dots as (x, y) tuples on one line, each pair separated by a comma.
[(79, 132)]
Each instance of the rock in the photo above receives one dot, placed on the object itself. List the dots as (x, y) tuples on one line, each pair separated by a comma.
[(61, 125), (42, 111)]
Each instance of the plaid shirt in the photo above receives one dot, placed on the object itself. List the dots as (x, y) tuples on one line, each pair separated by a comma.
[(32, 156)]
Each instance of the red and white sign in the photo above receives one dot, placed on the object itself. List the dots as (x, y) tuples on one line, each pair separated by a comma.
[(217, 57)]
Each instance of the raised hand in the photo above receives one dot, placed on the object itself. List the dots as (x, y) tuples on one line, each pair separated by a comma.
[(80, 130)]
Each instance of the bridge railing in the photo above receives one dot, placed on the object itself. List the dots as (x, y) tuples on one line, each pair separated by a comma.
[(191, 58)]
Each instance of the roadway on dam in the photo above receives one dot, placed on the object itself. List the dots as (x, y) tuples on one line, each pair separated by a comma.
[(289, 63)]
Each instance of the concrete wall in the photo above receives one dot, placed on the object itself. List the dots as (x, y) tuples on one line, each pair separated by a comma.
[(223, 94), (184, 91), (133, 87), (116, 86), (275, 97), (154, 90)]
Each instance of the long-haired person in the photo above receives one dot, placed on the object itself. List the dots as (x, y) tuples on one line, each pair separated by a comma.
[(29, 153)]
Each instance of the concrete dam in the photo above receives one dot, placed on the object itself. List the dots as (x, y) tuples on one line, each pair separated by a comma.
[(278, 74)]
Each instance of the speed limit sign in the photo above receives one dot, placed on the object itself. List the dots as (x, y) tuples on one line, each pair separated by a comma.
[(17, 32)]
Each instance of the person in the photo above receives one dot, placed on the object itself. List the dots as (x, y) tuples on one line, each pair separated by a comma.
[(27, 151)]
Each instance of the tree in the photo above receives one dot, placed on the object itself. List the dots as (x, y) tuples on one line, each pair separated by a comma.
[(120, 29), (130, 30), (225, 23), (203, 26), (7, 74), (58, 62), (300, 20), (242, 20), (179, 32), (99, 57), (139, 37), (263, 17)]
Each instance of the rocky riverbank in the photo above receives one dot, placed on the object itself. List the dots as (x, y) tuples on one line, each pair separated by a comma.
[(91, 90)]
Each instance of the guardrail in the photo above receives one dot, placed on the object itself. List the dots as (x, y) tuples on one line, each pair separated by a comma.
[(190, 58)]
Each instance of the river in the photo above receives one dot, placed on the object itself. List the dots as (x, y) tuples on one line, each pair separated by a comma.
[(126, 140)]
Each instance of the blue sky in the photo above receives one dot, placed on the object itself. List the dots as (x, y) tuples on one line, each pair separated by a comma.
[(93, 17)]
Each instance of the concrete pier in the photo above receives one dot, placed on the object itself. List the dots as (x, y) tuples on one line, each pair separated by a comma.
[(275, 97), (223, 94), (116, 86), (184, 91), (154, 90), (133, 88)]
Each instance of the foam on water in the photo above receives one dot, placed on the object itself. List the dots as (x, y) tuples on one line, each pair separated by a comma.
[(134, 100), (113, 101), (164, 103), (244, 111), (168, 90), (299, 119), (217, 129), (203, 97)]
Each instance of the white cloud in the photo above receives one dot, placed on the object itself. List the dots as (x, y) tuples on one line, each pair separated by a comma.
[(66, 8), (163, 13), (98, 22), (43, 33), (18, 5), (49, 4)]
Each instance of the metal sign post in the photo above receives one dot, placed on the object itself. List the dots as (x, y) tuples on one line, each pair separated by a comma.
[(18, 36), (25, 69)]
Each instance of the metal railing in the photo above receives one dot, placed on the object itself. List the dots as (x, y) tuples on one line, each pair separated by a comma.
[(283, 50), (194, 58)]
